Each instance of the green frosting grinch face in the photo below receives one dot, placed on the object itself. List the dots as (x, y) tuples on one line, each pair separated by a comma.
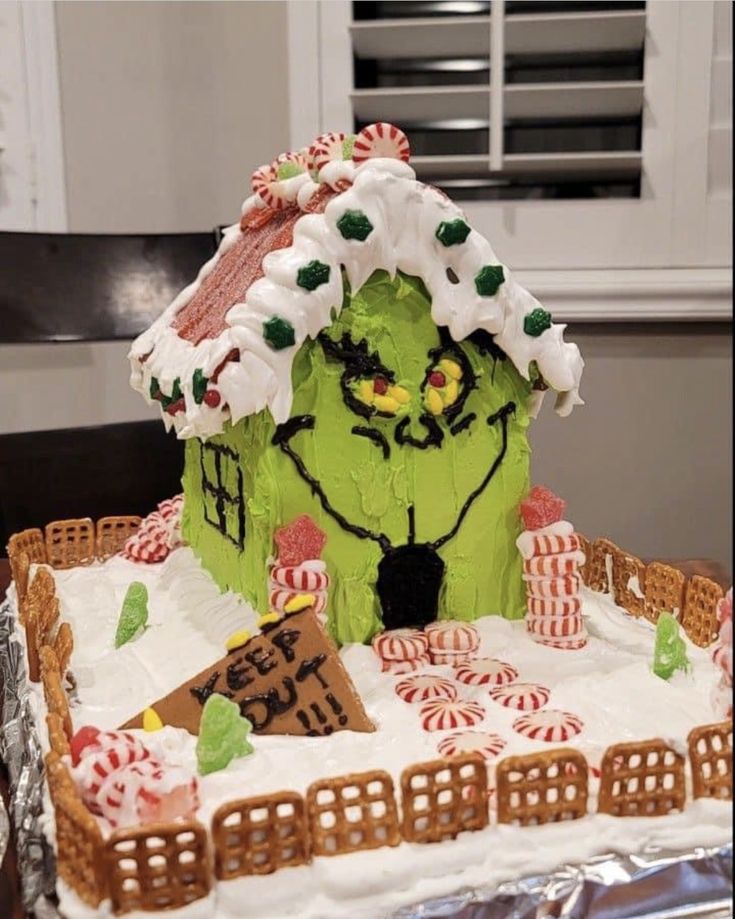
[(398, 436)]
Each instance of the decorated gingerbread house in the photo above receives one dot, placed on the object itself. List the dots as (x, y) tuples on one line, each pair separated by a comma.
[(355, 361)]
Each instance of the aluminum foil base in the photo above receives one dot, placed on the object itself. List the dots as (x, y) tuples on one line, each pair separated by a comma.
[(655, 885)]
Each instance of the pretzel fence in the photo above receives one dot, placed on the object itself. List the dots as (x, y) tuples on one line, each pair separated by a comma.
[(167, 866)]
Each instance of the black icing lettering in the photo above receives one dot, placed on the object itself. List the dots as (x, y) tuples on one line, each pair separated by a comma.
[(202, 693), (261, 660), (336, 708), (284, 641), (306, 668), (320, 716), (237, 675), (272, 702)]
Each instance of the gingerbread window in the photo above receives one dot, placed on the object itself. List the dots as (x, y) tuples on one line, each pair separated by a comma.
[(222, 490)]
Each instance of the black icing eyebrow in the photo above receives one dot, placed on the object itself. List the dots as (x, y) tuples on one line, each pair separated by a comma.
[(358, 362)]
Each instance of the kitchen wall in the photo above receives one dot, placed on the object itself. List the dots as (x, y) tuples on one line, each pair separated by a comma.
[(166, 110)]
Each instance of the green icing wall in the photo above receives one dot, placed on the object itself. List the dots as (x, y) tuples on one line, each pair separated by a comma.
[(483, 566)]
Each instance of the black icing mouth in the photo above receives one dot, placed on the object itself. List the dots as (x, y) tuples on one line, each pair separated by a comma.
[(410, 575)]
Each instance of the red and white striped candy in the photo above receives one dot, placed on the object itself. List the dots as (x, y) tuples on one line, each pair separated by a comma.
[(381, 139), (564, 644), (553, 565), (110, 751), (553, 545), (551, 725), (398, 668), (545, 588), (401, 644), (293, 156), (265, 184), (555, 626), (126, 783), (451, 658), (305, 577), (148, 791), (150, 542), (327, 148), (486, 670), (567, 607), (452, 636), (489, 745), (422, 687), (523, 696), (279, 598), (443, 714), (171, 507)]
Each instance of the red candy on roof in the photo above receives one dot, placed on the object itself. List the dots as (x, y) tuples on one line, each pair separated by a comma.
[(299, 541), (542, 508)]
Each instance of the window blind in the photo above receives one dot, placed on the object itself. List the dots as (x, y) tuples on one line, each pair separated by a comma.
[(507, 100)]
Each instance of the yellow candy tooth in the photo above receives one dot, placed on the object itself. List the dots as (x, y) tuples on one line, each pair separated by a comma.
[(237, 640), (268, 619), (151, 721), (298, 603), (365, 390), (400, 394), (451, 392), (434, 402), (386, 404), (451, 368)]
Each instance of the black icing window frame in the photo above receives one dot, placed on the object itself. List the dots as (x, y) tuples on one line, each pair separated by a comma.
[(218, 494)]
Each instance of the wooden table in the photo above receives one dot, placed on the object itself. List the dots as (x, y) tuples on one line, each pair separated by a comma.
[(10, 903)]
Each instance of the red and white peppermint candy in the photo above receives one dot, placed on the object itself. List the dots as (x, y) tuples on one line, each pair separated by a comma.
[(550, 588), (150, 542), (265, 184), (398, 668), (443, 714), (551, 725), (555, 626), (327, 148), (553, 565), (552, 545), (566, 607), (489, 745), (171, 507), (452, 636), (523, 696), (400, 644), (422, 687), (564, 644), (279, 598), (307, 577), (294, 157), (381, 139), (452, 658), (146, 792), (111, 751), (486, 670)]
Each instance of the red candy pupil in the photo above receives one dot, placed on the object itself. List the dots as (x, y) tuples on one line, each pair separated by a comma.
[(380, 386), (437, 379)]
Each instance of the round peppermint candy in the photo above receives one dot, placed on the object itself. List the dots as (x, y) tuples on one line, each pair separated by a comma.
[(551, 588), (563, 644), (383, 140), (555, 626), (550, 607), (489, 745), (452, 636), (452, 658), (398, 668), (422, 687), (486, 670), (523, 696), (400, 644), (443, 714), (553, 565), (326, 149), (307, 577), (279, 598), (550, 725), (265, 184)]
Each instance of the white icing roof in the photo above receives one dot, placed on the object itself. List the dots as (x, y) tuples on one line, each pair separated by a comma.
[(405, 215)]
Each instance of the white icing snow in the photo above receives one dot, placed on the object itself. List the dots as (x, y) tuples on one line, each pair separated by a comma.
[(608, 684), (405, 215)]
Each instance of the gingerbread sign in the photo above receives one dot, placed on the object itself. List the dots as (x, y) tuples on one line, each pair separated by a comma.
[(289, 679)]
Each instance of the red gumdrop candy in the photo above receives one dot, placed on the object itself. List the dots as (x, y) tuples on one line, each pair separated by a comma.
[(82, 739), (380, 386), (437, 379), (542, 508), (299, 541)]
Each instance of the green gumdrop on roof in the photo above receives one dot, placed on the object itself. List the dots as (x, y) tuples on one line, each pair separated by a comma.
[(488, 280), (536, 322), (347, 146), (452, 232), (198, 385), (223, 735), (313, 275), (279, 333), (354, 225), (288, 170), (670, 651), (133, 615)]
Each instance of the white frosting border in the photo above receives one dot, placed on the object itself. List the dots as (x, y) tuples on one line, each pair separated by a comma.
[(405, 215)]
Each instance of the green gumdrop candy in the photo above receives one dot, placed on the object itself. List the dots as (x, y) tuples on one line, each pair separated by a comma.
[(288, 170), (669, 652), (133, 615), (223, 735), (347, 145)]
